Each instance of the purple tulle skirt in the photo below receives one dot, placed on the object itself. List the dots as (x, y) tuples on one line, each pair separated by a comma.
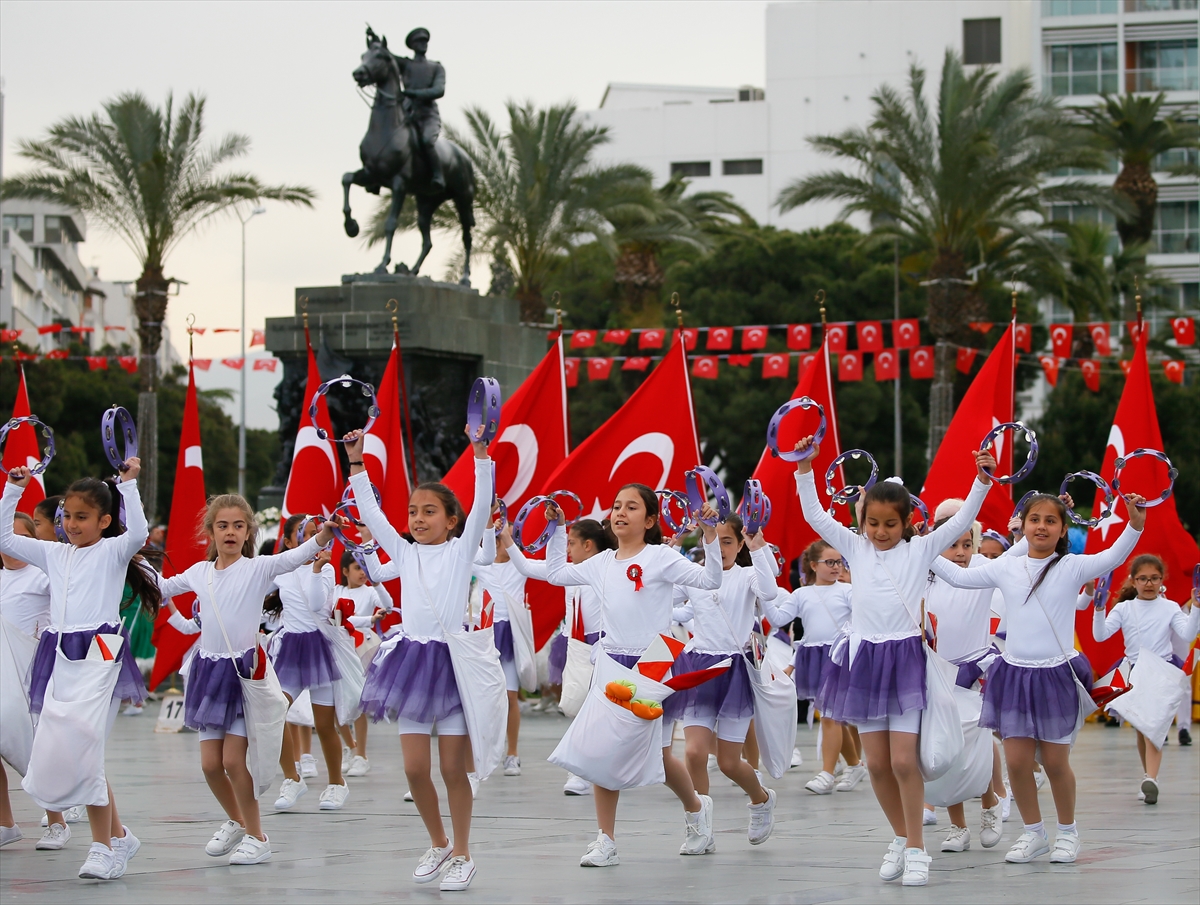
[(558, 658), (812, 665), (672, 706), (414, 680), (969, 671), (502, 633), (130, 686), (727, 696), (304, 660), (214, 693), (887, 679), (1034, 702)]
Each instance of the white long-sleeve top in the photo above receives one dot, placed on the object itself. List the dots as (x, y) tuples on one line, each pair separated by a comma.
[(581, 596), (722, 619), (632, 619), (964, 617), (306, 597), (823, 609), (501, 580), (1028, 616), (86, 583), (888, 584), (435, 579), (25, 598), (237, 592), (366, 601), (1147, 625)]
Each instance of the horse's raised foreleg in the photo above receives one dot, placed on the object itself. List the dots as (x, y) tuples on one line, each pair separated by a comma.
[(349, 179), (466, 216), (389, 226), (425, 209)]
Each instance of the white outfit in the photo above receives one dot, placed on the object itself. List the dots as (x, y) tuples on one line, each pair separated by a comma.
[(25, 598), (964, 618), (583, 596), (306, 598), (824, 610), (1147, 625)]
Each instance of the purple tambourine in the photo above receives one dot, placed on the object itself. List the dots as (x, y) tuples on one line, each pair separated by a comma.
[(685, 522), (483, 409), (343, 508), (1030, 460), (518, 525), (574, 498), (1196, 577), (117, 424), (755, 509), (1172, 474), (345, 381), (999, 538), (47, 432), (695, 494), (1101, 484), (1100, 597), (804, 402), (1029, 495), (919, 504), (362, 564), (58, 528), (850, 492), (303, 527)]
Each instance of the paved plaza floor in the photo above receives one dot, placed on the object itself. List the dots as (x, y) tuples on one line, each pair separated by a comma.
[(527, 838)]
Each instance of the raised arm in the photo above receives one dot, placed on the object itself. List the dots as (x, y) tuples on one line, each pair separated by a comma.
[(481, 508), (830, 529), (27, 549), (1186, 625), (958, 524), (762, 578), (136, 529), (318, 589), (981, 576), (290, 560), (680, 570), (782, 609), (1104, 627), (561, 572), (529, 568), (368, 510), (1093, 565)]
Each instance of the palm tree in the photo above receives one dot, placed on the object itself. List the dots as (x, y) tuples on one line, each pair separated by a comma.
[(145, 175), (1129, 128), (960, 186)]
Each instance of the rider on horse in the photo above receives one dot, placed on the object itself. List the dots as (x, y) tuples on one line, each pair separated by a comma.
[(424, 82)]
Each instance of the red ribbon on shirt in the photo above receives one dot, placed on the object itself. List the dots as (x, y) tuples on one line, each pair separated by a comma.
[(634, 574)]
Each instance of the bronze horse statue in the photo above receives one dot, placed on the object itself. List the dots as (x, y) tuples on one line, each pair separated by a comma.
[(391, 157)]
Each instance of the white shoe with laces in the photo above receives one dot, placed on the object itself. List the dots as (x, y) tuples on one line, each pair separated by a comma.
[(893, 861), (57, 835), (601, 853), (100, 863), (990, 831), (308, 766), (473, 779), (359, 766), (576, 785), (123, 851), (916, 867), (289, 792), (334, 797), (10, 834), (957, 840), (225, 839), (1027, 847), (762, 819), (512, 767), (852, 777), (251, 850), (431, 864), (458, 874), (70, 815), (697, 830), (822, 784), (1066, 848)]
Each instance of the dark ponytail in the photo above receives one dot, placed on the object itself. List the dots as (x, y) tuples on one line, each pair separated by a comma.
[(588, 529), (1062, 548)]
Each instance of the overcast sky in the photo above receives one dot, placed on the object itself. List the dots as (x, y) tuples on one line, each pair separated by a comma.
[(280, 73)]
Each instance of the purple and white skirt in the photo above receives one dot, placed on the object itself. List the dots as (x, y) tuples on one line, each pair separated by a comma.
[(1039, 702), (304, 660), (75, 645), (810, 667), (558, 654), (728, 696), (886, 679), (413, 680), (502, 635), (214, 692), (971, 669)]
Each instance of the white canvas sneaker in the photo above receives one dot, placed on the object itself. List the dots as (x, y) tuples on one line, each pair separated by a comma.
[(1066, 848), (100, 863), (822, 784), (10, 834), (990, 827), (334, 797), (289, 792), (797, 758), (697, 829), (1150, 790), (57, 835), (852, 777), (893, 861), (576, 785), (359, 766), (251, 851), (512, 767), (225, 839), (431, 864), (308, 766), (762, 820), (601, 853), (957, 840), (928, 817), (458, 874), (123, 851)]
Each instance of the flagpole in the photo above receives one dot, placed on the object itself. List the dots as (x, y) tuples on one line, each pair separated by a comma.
[(897, 436), (392, 305)]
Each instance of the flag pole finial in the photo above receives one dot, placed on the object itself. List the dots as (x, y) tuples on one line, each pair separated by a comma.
[(678, 310), (1137, 298), (191, 322), (1014, 301), (556, 301), (303, 303), (393, 306), (820, 300)]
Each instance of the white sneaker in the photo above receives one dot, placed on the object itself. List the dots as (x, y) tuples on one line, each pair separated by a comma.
[(512, 767), (893, 861), (100, 864), (712, 763), (11, 834), (359, 766), (929, 817), (822, 784), (577, 785), (70, 815), (308, 766), (1039, 777), (251, 850), (1006, 807), (431, 863), (347, 756), (839, 768), (1141, 794), (852, 777), (990, 832), (132, 710), (1066, 848), (762, 819), (697, 830), (334, 797), (288, 793), (916, 867), (225, 839), (408, 795), (601, 853), (1028, 846), (123, 851), (1150, 790), (56, 836), (458, 874), (957, 840), (797, 758)]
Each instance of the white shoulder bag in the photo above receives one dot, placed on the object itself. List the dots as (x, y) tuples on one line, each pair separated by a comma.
[(16, 722), (577, 673)]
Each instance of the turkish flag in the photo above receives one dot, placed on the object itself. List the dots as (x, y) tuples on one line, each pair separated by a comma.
[(987, 403), (887, 365), (616, 337), (1060, 340), (1090, 367), (1174, 371), (22, 448), (58, 355), (705, 366), (836, 337), (635, 363), (1184, 329), (1136, 425), (906, 334), (850, 366), (965, 359), (258, 338), (720, 339), (96, 362), (870, 336), (571, 371), (266, 364), (1134, 331), (599, 368), (583, 339), (314, 484), (787, 528), (805, 362), (9, 336), (1050, 365), (201, 364), (754, 338), (185, 544), (651, 439), (920, 363), (235, 363), (651, 339), (690, 335), (1125, 364), (740, 361), (799, 337), (1101, 338), (776, 365), (984, 327), (1024, 337)]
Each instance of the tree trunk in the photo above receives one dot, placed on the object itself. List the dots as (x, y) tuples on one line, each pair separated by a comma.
[(147, 422), (533, 305), (150, 303), (639, 275), (1137, 184)]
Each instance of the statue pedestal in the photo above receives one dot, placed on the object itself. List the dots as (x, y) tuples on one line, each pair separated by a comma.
[(449, 335)]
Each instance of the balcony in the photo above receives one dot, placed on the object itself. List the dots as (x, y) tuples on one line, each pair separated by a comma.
[(1158, 6), (1179, 78)]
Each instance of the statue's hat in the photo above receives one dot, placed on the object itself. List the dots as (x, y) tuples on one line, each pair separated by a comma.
[(415, 34)]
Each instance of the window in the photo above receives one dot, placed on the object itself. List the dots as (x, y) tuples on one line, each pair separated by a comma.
[(1175, 157), (1171, 301), (1082, 69), (1177, 227), (1157, 6), (749, 93), (1086, 213), (1163, 66), (1113, 166), (55, 231), (691, 170), (981, 41), (21, 224), (741, 167), (1079, 8)]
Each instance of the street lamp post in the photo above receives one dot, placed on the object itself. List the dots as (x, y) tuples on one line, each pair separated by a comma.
[(242, 423)]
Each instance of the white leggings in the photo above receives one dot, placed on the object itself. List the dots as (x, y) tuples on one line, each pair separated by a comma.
[(734, 730), (451, 725), (238, 728), (909, 721), (318, 694)]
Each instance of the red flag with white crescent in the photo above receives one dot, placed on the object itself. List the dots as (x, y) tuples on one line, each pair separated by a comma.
[(314, 484), (21, 448)]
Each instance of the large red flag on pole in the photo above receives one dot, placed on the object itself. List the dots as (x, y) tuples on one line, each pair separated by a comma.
[(1135, 426), (21, 448), (988, 403), (186, 543), (314, 484)]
